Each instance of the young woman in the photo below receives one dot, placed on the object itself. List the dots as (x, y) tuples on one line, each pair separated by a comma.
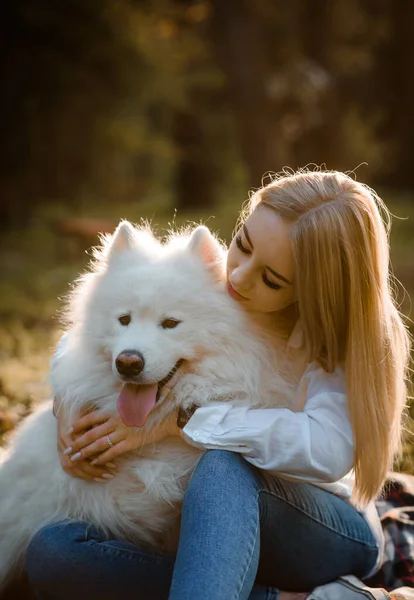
[(282, 500)]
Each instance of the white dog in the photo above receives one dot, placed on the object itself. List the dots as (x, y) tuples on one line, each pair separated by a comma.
[(146, 313)]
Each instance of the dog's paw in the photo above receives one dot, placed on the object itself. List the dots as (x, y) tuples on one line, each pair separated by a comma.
[(193, 389)]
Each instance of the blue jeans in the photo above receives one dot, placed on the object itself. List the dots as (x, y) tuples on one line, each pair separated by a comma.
[(243, 537)]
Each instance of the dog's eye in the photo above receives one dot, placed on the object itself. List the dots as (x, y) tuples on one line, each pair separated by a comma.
[(124, 320), (170, 323)]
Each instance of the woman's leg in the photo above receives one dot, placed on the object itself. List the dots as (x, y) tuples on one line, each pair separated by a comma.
[(218, 552), (310, 537), (232, 516), (67, 561), (73, 560)]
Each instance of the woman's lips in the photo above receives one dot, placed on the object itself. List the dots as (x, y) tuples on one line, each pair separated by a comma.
[(232, 292)]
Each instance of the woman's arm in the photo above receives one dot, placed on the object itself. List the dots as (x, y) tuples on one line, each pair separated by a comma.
[(314, 445)]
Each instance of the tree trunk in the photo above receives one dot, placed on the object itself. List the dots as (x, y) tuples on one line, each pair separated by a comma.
[(194, 175), (240, 47)]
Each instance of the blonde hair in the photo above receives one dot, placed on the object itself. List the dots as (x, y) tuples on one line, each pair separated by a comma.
[(346, 306)]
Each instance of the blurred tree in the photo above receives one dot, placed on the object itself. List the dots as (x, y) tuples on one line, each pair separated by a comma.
[(113, 101), (94, 96), (280, 81), (237, 34), (194, 174), (58, 77), (395, 72), (319, 143), (193, 177)]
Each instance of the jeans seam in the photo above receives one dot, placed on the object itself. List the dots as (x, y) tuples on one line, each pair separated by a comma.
[(249, 558), (313, 518), (127, 553), (108, 548)]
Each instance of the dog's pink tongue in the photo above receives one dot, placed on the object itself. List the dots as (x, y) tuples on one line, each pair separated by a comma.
[(135, 402)]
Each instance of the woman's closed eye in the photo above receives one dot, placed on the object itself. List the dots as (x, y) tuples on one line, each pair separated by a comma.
[(271, 284), (240, 246)]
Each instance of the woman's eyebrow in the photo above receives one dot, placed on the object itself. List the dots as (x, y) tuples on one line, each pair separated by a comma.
[(246, 233), (275, 273)]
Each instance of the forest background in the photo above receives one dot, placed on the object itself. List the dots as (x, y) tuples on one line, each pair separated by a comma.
[(172, 110)]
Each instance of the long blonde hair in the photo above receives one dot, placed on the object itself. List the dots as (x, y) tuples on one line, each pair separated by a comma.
[(345, 299)]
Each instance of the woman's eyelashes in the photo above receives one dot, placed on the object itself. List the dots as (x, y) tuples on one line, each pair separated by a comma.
[(271, 284), (240, 246), (266, 280)]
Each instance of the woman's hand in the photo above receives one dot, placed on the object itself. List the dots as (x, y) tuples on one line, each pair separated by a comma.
[(96, 439), (102, 438), (82, 468)]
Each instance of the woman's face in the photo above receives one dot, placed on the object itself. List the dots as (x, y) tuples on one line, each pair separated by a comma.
[(260, 265)]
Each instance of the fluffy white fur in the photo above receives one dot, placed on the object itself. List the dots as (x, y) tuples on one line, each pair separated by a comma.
[(225, 358)]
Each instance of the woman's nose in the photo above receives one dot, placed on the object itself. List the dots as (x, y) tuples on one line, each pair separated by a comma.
[(240, 278)]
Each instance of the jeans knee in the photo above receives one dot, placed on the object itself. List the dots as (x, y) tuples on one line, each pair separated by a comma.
[(37, 552), (219, 465), (41, 550), (46, 555), (219, 472)]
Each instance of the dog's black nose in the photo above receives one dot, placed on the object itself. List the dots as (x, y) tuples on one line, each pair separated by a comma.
[(129, 363)]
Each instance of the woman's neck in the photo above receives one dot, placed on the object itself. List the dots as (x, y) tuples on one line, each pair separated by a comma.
[(281, 323), (277, 328)]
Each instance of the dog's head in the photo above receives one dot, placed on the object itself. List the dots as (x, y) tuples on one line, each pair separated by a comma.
[(148, 310)]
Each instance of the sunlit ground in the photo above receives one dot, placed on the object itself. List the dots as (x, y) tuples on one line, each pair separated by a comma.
[(37, 264)]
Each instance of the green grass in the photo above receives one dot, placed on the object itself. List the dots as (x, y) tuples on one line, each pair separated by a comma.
[(37, 265)]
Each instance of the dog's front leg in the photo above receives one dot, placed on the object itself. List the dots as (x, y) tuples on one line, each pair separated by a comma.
[(195, 389)]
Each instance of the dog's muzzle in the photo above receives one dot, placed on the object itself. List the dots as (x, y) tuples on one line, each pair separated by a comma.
[(131, 363)]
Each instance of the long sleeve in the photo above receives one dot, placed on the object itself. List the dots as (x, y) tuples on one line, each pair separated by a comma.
[(314, 445)]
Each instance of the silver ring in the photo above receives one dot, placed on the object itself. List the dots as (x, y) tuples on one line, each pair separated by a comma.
[(108, 439)]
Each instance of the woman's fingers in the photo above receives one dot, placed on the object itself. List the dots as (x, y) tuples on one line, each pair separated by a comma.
[(87, 439), (64, 438), (84, 470), (117, 450), (64, 441), (99, 446), (67, 439), (96, 417)]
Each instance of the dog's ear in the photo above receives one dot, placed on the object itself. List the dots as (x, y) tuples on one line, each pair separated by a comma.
[(203, 244), (122, 239), (127, 237)]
